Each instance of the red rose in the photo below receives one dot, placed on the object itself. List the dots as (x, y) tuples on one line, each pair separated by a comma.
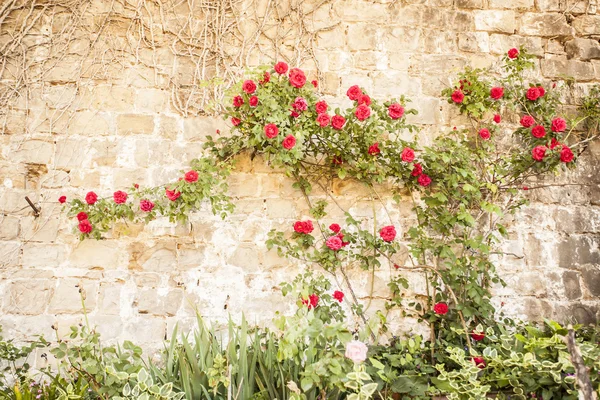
[(497, 118), (479, 362), (496, 93), (297, 78), (440, 308), (408, 154), (289, 142), (559, 125), (337, 121), (527, 121), (513, 53), (300, 104), (538, 153), (235, 121), (458, 96), (337, 160), (388, 233), (339, 296), (341, 236), (238, 101), (554, 143), (484, 134), (354, 92), (395, 111), (477, 336), (315, 83), (81, 216), (334, 243), (362, 112), (136, 186), (85, 226), (566, 155), (249, 86), (120, 197), (271, 130), (541, 91), (364, 99), (335, 228), (146, 205), (533, 93), (294, 114), (172, 194), (91, 198), (191, 176), (281, 68), (424, 180), (374, 149), (62, 199), (266, 78), (253, 101), (524, 188), (321, 107), (323, 120), (538, 131), (314, 300), (305, 227), (417, 170)]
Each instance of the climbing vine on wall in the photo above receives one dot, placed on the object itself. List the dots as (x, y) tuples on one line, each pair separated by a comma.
[(462, 186)]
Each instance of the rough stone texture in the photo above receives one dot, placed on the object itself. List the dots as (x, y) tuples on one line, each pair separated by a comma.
[(124, 129)]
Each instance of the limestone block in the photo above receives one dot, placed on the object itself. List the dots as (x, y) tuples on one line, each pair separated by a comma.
[(555, 69), (578, 250), (573, 6), (590, 277), (10, 254), (572, 288), (151, 100), (495, 21), (500, 44), (474, 42), (109, 300), (97, 254), (67, 297), (363, 36), (135, 123), (43, 255), (27, 296), (169, 127), (33, 151), (72, 153), (470, 4), (587, 25), (159, 301), (153, 330), (547, 25), (503, 4), (584, 49), (9, 227)]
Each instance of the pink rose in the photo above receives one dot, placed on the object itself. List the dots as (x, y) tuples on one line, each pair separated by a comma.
[(566, 154), (235, 121), (289, 142), (191, 176), (238, 101), (424, 180), (321, 107), (323, 120), (297, 78), (356, 351), (354, 92), (538, 153), (337, 121), (532, 94), (120, 197), (91, 198), (559, 125), (300, 104), (496, 93), (527, 121), (484, 134), (253, 101), (271, 131), (388, 233), (408, 155), (395, 111), (249, 86), (334, 243), (146, 205), (281, 68), (85, 226), (362, 112), (172, 194), (364, 99), (458, 96), (538, 131)]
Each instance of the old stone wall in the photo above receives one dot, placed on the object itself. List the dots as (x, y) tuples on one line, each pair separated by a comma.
[(110, 93)]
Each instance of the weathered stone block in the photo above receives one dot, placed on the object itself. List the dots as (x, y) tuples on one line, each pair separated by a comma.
[(584, 49), (587, 25), (27, 296), (499, 44), (471, 4), (548, 24), (570, 280), (10, 254), (591, 280), (159, 301), (363, 36), (555, 69), (97, 254), (109, 300), (33, 151), (135, 123), (43, 255), (577, 250), (495, 21), (521, 4), (68, 295), (573, 6), (9, 227), (474, 42)]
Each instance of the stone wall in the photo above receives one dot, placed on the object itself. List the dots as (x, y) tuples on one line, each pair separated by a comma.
[(106, 109)]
